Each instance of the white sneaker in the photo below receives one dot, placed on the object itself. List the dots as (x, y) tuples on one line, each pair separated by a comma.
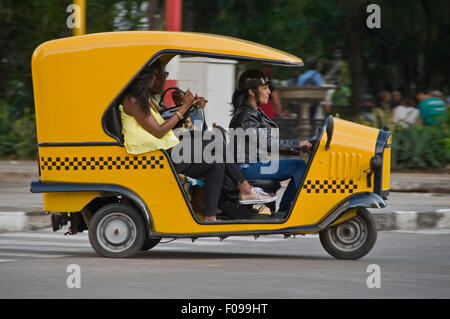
[(256, 196)]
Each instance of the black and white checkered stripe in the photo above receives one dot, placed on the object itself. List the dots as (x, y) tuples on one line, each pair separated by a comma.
[(330, 186), (101, 163)]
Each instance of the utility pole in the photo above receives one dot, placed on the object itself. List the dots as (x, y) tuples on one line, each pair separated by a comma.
[(82, 29), (174, 9), (173, 15)]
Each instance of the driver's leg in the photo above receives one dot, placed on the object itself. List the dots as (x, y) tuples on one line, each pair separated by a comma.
[(292, 168), (295, 168)]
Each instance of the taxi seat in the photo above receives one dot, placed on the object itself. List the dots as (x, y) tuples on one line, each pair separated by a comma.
[(112, 123)]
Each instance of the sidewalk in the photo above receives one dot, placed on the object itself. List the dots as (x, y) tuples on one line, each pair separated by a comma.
[(417, 200)]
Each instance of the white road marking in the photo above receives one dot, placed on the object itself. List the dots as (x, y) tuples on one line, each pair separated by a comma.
[(44, 235), (31, 255), (156, 248), (6, 260), (41, 243), (424, 231)]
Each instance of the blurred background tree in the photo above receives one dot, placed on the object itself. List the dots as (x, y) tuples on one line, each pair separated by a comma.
[(409, 49)]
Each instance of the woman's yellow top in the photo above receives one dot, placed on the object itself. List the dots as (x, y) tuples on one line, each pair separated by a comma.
[(137, 140)]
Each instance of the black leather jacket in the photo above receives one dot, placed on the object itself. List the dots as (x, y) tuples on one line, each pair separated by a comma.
[(246, 117)]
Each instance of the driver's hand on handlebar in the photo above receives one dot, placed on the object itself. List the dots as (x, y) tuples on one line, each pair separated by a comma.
[(306, 146)]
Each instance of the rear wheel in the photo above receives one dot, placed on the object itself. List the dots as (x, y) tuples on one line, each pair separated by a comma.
[(352, 239), (117, 230)]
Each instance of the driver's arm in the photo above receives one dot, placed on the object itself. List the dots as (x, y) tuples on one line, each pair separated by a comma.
[(148, 122)]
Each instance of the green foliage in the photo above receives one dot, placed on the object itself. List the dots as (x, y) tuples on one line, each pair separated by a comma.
[(24, 136), (422, 147), (17, 137), (6, 144), (24, 26)]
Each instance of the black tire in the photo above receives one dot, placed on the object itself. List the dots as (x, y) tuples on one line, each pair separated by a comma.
[(117, 230), (150, 243), (351, 239)]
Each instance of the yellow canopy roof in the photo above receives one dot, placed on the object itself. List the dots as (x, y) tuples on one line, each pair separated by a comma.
[(76, 78)]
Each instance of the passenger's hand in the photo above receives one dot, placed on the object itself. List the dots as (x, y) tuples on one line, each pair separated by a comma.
[(306, 145), (178, 97), (200, 101), (188, 100)]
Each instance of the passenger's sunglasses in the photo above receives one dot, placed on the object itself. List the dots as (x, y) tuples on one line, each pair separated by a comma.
[(158, 73)]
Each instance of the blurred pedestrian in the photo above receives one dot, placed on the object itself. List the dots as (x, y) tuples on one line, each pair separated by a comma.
[(365, 115), (311, 78), (438, 94), (397, 99), (432, 109), (382, 113), (406, 113), (340, 100)]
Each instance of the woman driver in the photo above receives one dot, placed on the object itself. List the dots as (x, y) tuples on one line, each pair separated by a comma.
[(145, 130), (253, 91)]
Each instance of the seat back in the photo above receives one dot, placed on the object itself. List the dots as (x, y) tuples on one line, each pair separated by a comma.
[(112, 123)]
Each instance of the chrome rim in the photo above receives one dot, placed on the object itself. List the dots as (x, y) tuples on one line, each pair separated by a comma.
[(350, 235), (116, 232)]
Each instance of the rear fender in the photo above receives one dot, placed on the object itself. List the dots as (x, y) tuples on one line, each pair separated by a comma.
[(38, 186)]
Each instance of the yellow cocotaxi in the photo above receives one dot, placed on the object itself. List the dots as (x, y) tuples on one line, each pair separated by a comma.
[(129, 202)]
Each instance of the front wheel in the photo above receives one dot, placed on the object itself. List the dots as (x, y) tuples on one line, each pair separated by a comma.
[(352, 239), (117, 230)]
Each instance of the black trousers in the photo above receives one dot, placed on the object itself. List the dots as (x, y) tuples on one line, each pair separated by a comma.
[(213, 174)]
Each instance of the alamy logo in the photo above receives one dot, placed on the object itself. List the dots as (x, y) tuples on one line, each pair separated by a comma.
[(74, 19), (74, 279), (374, 19), (374, 279), (214, 147)]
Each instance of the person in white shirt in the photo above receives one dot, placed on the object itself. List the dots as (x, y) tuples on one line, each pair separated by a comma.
[(406, 113)]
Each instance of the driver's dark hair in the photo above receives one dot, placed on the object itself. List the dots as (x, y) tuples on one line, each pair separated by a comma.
[(138, 88), (247, 81)]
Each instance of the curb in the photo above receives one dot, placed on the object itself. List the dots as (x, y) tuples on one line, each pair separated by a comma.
[(411, 220), (22, 221), (397, 220)]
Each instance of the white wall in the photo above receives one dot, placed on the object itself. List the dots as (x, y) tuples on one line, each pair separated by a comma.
[(213, 79)]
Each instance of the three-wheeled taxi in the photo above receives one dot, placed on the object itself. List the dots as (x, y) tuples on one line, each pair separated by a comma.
[(130, 202)]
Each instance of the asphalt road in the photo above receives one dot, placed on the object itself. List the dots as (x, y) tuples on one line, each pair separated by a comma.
[(406, 264)]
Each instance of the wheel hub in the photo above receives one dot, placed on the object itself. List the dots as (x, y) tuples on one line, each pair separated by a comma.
[(349, 235), (116, 232)]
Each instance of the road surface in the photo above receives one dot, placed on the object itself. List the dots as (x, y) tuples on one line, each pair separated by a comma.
[(42, 264)]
